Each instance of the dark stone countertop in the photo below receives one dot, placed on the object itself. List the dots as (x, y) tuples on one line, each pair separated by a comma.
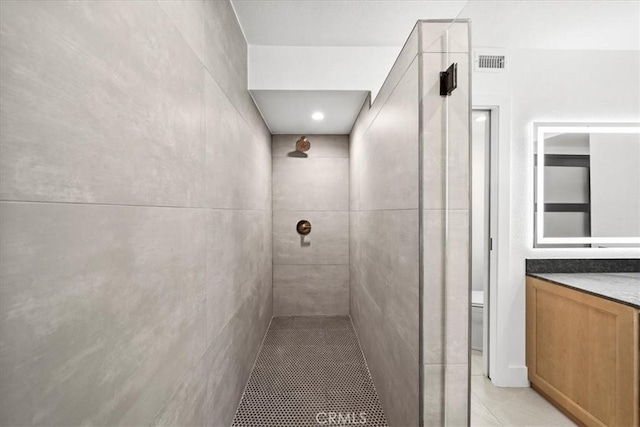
[(619, 287)]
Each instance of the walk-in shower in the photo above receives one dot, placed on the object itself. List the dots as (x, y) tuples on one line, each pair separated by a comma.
[(167, 258), (390, 250)]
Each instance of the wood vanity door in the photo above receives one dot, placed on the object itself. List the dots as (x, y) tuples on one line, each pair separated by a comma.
[(582, 352)]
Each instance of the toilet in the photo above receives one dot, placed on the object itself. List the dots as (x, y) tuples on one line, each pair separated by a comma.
[(477, 302)]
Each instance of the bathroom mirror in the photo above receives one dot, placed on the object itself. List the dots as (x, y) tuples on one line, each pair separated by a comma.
[(587, 185)]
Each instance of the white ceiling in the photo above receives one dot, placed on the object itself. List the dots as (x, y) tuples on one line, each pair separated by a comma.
[(289, 111), (518, 24), (336, 22), (555, 24)]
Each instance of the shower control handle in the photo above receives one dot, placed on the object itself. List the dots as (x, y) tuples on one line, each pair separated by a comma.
[(303, 227)]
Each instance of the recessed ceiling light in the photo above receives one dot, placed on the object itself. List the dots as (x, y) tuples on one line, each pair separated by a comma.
[(481, 119), (317, 116)]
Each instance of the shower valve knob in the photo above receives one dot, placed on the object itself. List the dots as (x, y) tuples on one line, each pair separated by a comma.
[(303, 227)]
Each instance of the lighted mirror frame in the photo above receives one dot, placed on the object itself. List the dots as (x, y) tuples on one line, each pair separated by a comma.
[(539, 132)]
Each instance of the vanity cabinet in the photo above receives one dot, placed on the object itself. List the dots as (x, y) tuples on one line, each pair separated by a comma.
[(582, 353)]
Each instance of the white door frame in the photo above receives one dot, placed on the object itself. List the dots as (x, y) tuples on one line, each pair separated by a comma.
[(496, 364)]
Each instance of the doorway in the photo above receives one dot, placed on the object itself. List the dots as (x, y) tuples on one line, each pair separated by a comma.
[(481, 238)]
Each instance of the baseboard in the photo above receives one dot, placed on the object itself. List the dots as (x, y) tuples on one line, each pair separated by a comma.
[(514, 376)]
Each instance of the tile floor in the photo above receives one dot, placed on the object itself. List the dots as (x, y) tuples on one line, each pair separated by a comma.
[(310, 367), (501, 406), (314, 365)]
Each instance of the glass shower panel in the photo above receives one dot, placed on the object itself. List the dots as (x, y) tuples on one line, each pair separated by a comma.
[(445, 224)]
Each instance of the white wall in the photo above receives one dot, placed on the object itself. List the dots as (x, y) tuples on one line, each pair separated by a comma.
[(320, 68), (551, 86)]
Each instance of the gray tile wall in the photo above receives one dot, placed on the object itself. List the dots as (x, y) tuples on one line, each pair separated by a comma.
[(311, 274), (407, 179), (135, 214), (384, 267)]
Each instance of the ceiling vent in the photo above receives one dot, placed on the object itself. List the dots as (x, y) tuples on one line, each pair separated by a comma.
[(494, 60)]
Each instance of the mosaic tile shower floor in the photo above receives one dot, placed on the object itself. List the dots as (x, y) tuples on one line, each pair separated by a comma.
[(310, 372)]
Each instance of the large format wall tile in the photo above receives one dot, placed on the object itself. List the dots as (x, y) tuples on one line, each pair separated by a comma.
[(310, 184), (311, 273), (403, 62), (225, 56), (231, 355), (129, 315), (91, 111), (186, 406), (235, 262), (226, 50), (328, 242), (394, 370), (384, 252), (101, 311), (239, 228), (389, 158), (188, 18), (388, 254), (310, 290), (238, 162)]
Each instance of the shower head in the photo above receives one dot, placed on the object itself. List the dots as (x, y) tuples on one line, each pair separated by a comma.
[(303, 144)]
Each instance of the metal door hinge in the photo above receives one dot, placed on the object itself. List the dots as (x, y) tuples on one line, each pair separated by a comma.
[(449, 80)]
